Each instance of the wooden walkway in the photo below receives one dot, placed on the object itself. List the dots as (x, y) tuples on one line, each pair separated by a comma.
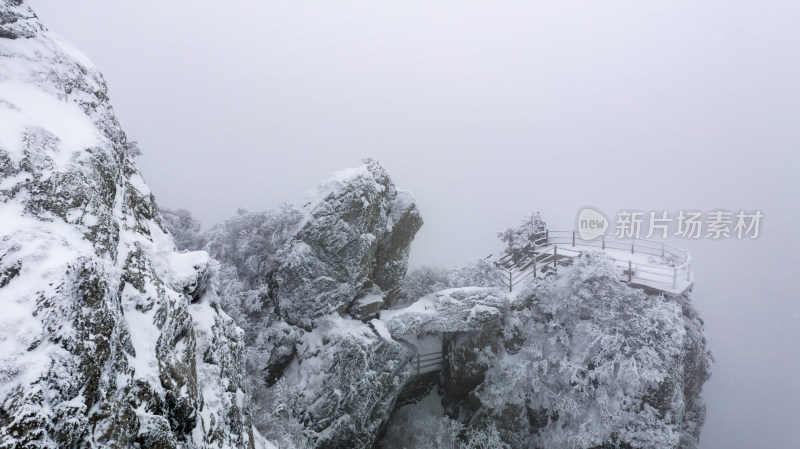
[(649, 264)]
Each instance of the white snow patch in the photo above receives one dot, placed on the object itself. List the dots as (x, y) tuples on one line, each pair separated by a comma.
[(426, 304), (381, 329), (43, 250), (369, 299), (23, 106), (144, 337), (138, 183)]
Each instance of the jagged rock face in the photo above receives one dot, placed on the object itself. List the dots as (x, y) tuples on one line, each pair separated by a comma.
[(586, 361), (13, 20), (693, 370), (468, 356), (351, 375), (354, 243), (109, 337)]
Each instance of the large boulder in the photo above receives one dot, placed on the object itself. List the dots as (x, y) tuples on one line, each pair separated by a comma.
[(464, 309), (109, 337), (333, 372), (354, 244), (343, 383)]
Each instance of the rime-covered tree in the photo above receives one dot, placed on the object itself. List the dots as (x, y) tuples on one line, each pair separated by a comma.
[(429, 279), (185, 229), (517, 238)]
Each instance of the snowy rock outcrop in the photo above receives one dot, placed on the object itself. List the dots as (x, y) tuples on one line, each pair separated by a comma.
[(108, 336), (586, 361), (342, 384), (452, 310), (577, 360), (352, 250), (333, 370), (305, 285)]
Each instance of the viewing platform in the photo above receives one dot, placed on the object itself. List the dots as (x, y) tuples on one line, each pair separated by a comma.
[(649, 264)]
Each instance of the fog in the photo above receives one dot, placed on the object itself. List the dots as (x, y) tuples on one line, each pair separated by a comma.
[(486, 111)]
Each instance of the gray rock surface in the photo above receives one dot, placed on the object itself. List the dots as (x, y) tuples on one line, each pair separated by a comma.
[(335, 369), (110, 337), (354, 243), (468, 356), (350, 375)]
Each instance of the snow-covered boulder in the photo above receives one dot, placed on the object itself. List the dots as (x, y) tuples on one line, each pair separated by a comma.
[(341, 385), (108, 336), (452, 310), (354, 243)]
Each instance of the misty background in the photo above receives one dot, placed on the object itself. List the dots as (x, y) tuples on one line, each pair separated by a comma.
[(487, 111)]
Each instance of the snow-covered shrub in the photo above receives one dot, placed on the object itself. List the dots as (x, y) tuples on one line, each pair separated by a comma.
[(252, 241), (429, 279), (670, 260), (185, 229), (413, 431), (426, 431), (518, 237), (249, 247), (422, 281), (272, 415), (480, 273)]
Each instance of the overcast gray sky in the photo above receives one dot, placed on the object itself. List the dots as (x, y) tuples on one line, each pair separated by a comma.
[(486, 111)]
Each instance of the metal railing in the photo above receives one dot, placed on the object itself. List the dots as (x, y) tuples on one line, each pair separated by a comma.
[(549, 248), (427, 362)]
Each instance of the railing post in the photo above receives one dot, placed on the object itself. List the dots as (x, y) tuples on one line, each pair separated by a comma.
[(662, 249), (633, 241), (674, 278), (510, 280), (555, 257), (573, 238), (604, 241), (630, 271), (418, 369), (689, 271), (546, 236)]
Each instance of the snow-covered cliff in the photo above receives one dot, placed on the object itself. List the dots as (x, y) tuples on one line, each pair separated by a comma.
[(109, 337)]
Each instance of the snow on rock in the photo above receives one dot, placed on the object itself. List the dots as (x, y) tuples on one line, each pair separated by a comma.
[(586, 361), (346, 378), (354, 242), (108, 336), (334, 372), (451, 310), (579, 361)]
